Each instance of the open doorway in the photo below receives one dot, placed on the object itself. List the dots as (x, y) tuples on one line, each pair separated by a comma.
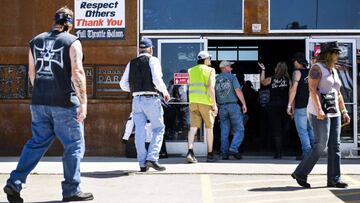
[(246, 54)]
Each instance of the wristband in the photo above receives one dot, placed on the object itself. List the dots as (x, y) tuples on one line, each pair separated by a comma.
[(343, 111)]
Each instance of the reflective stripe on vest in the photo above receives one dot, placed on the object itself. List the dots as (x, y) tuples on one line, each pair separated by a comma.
[(198, 84)]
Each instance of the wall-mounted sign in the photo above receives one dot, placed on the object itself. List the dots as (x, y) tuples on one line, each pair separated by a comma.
[(256, 27), (13, 82), (100, 19), (107, 82), (181, 78)]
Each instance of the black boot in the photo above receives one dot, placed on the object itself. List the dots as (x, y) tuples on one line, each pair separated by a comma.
[(338, 185), (81, 196), (155, 165), (301, 181), (12, 195)]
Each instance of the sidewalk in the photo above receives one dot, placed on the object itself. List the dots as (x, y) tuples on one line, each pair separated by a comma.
[(249, 165)]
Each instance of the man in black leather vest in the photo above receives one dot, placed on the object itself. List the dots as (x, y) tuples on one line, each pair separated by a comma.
[(58, 107), (143, 78)]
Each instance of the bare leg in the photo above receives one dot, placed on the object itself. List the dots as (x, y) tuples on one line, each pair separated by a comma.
[(191, 137), (209, 139)]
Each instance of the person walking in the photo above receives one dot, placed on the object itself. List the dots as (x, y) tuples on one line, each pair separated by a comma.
[(143, 78), (228, 91), (326, 108), (202, 104), (298, 100), (58, 107), (279, 90)]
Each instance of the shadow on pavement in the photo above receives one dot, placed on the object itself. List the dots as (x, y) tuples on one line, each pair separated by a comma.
[(106, 174), (281, 189), (347, 195)]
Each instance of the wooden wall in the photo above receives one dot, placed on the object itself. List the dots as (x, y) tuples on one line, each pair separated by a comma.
[(255, 12), (104, 127), (21, 21)]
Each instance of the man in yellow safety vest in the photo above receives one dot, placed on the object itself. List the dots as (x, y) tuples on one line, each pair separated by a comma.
[(202, 104)]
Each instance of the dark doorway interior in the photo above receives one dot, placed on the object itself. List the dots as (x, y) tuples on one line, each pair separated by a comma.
[(258, 138)]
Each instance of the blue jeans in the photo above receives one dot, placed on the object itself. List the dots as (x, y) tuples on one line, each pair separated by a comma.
[(304, 130), (327, 133), (148, 108), (231, 116), (49, 122)]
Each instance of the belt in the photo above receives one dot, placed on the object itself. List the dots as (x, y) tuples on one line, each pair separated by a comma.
[(228, 103), (147, 95)]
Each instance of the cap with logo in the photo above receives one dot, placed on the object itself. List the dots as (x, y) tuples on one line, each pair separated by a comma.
[(145, 43), (225, 64), (203, 55)]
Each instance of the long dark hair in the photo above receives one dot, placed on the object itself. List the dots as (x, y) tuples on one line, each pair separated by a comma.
[(281, 70), (326, 58)]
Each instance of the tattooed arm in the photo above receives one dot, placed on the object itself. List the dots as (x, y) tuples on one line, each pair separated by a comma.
[(31, 71), (292, 91), (78, 78), (314, 80)]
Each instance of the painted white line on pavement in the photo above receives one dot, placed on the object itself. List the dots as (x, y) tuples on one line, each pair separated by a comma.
[(206, 192)]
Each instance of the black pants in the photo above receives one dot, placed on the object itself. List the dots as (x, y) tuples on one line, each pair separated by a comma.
[(279, 122)]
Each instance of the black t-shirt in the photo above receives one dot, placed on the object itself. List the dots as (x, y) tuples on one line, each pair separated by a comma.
[(279, 91), (52, 85)]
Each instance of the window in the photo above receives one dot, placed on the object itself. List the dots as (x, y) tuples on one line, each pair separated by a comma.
[(314, 15), (191, 16), (248, 55), (236, 53), (227, 53), (178, 55)]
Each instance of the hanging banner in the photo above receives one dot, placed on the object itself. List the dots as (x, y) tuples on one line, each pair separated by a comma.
[(181, 78), (99, 19)]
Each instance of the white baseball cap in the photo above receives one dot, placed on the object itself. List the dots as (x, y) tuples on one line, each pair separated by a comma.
[(203, 55)]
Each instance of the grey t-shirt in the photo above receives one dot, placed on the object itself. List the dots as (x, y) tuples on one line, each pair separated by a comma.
[(225, 86)]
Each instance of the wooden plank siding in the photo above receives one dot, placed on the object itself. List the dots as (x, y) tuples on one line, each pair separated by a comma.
[(21, 21)]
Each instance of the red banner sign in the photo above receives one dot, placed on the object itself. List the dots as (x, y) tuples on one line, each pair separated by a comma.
[(181, 78)]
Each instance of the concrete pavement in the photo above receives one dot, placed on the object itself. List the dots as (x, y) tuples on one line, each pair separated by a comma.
[(251, 180)]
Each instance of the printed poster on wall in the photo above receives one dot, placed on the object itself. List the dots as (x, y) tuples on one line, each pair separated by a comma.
[(100, 19)]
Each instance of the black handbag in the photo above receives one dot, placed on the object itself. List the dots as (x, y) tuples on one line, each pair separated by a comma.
[(328, 103), (264, 97)]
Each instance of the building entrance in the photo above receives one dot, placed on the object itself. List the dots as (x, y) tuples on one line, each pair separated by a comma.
[(246, 54), (177, 55)]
